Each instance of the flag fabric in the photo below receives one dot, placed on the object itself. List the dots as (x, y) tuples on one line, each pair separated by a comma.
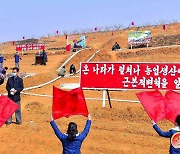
[(13, 42), (159, 107), (68, 47), (153, 103), (164, 27), (172, 101), (67, 103), (7, 108), (112, 33)]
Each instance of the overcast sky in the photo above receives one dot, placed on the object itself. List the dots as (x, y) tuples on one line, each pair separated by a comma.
[(35, 18)]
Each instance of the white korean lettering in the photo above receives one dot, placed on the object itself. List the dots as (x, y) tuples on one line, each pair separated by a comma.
[(156, 70), (136, 70), (164, 70), (149, 82), (173, 71), (121, 69), (96, 69), (148, 70), (111, 68), (103, 69), (177, 83), (126, 82), (157, 82), (134, 82), (164, 83), (142, 82), (86, 69), (129, 69)]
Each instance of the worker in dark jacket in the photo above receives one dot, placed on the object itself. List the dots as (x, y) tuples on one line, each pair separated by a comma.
[(17, 58), (173, 134), (2, 59), (14, 86), (72, 141), (116, 46), (72, 69), (44, 57)]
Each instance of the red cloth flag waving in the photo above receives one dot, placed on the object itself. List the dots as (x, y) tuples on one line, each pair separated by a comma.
[(67, 103), (153, 103), (172, 101), (164, 27), (68, 47), (7, 108)]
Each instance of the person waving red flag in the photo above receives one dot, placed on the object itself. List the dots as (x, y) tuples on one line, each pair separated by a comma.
[(7, 108), (67, 103)]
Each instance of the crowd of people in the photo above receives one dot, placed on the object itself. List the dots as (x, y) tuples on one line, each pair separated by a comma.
[(62, 71), (3, 70)]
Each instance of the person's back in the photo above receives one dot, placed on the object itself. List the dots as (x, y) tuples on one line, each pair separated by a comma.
[(72, 144), (118, 46), (62, 71), (16, 58), (72, 69), (170, 134), (1, 59)]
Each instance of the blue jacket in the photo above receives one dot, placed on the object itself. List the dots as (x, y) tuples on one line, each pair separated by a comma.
[(44, 54), (74, 146), (16, 58), (16, 83), (1, 59), (168, 134)]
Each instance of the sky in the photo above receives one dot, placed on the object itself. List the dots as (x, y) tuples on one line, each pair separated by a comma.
[(36, 18)]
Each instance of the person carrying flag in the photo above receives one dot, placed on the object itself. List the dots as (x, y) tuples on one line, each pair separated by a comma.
[(173, 134), (72, 141)]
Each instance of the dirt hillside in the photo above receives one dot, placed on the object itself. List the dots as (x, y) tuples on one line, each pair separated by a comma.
[(124, 129)]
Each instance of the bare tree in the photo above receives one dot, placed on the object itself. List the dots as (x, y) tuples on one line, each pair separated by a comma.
[(65, 32), (118, 27)]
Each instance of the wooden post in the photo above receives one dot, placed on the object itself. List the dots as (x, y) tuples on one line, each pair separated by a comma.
[(104, 98), (109, 99), (131, 46)]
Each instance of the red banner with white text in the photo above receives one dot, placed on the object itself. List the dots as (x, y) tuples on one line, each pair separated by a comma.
[(165, 76), (23, 47)]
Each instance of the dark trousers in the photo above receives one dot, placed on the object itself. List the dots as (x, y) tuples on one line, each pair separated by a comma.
[(44, 61), (17, 114), (17, 65)]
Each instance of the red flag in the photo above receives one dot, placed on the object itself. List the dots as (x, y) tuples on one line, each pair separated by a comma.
[(164, 27), (112, 33), (67, 103), (13, 43), (153, 103), (172, 101), (68, 47), (7, 108)]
